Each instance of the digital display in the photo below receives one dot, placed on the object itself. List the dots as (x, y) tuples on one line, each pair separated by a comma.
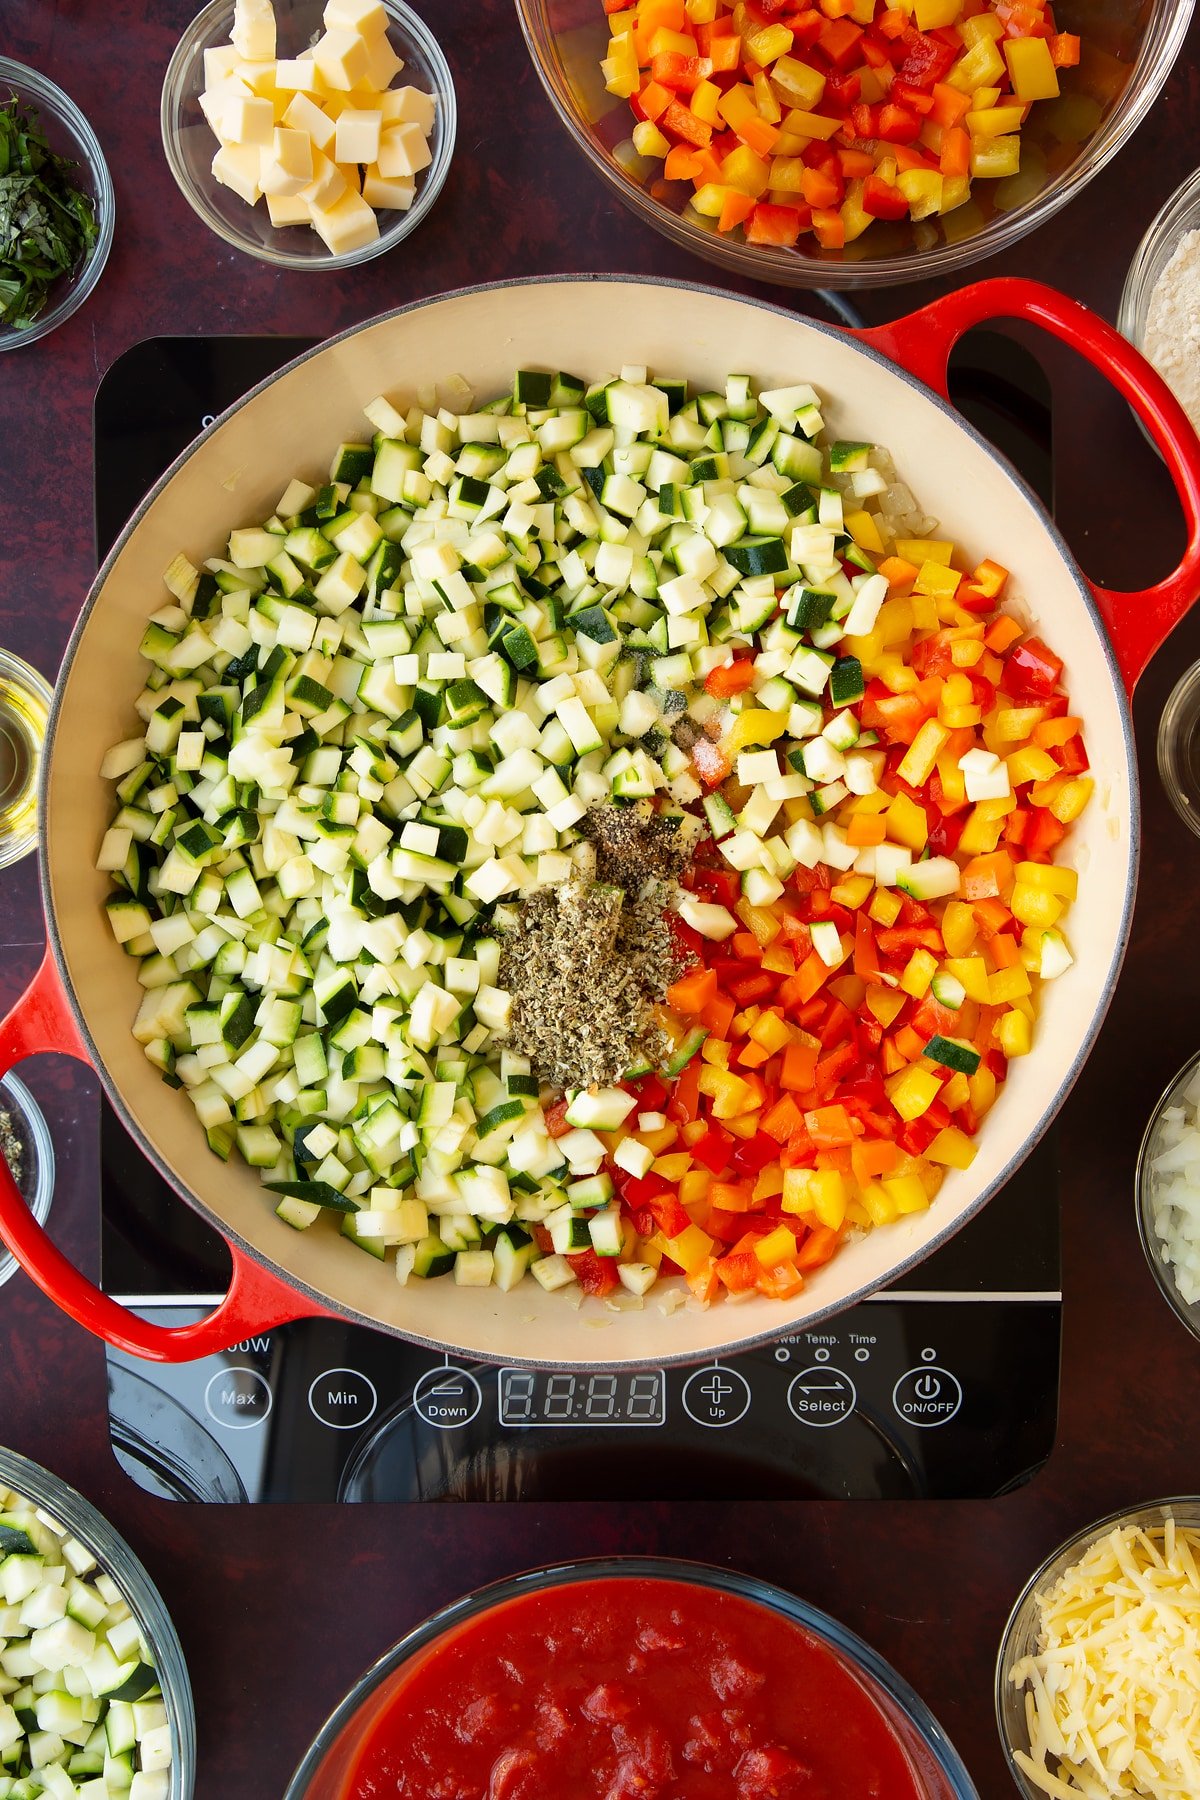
[(539, 1397)]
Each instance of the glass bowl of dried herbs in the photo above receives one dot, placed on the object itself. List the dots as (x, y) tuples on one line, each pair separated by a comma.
[(56, 206), (26, 1146)]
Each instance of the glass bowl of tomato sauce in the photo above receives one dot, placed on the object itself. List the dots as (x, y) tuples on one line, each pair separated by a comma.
[(1126, 50), (632, 1676)]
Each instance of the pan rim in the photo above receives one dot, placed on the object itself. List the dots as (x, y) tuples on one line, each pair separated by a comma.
[(328, 1303)]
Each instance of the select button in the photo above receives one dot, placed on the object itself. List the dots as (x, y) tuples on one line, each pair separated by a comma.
[(342, 1399)]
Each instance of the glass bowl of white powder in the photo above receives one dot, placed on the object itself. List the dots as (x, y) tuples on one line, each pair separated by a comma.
[(1160, 305), (1167, 1185)]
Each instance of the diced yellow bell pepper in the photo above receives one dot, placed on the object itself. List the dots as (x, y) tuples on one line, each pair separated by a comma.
[(1013, 724), (764, 46), (925, 611), (959, 927), (765, 99), (852, 892), (855, 218), (756, 725), (880, 1207), (895, 621), (672, 1168), (803, 123), (778, 1246), (995, 121), (768, 1183), (1035, 906), (665, 41), (931, 15), (916, 764), (648, 140), (956, 191), (983, 1089), (1051, 876), (715, 1051), (1030, 763), (1007, 984), (829, 1197), (1013, 1034), (980, 66), (802, 85), (620, 68), (912, 1091), (922, 188), (743, 1125), (709, 200), (704, 101), (983, 25), (1071, 799), (922, 550), (863, 529), (907, 823), (885, 1003), (980, 834), (694, 1186), (1031, 68), (965, 652), (972, 972), (954, 782), (772, 1031), (701, 12), (936, 578), (885, 907), (992, 159), (746, 172), (953, 1148), (896, 674), (690, 1248), (657, 1142), (906, 1192), (760, 921), (787, 175), (919, 972), (955, 1092)]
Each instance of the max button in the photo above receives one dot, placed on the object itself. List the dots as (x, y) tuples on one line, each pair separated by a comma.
[(927, 1396), (342, 1399), (238, 1398), (716, 1396)]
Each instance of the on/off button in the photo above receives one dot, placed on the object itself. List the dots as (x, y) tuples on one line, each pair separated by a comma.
[(342, 1399), (927, 1396)]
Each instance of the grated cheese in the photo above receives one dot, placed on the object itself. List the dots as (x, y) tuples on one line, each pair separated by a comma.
[(1112, 1696)]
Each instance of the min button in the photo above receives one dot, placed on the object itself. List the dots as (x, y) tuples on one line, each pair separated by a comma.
[(342, 1399)]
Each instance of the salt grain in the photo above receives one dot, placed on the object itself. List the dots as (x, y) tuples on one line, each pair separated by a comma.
[(1172, 336)]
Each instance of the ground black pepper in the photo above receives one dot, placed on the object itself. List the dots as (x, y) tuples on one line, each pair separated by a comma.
[(635, 843)]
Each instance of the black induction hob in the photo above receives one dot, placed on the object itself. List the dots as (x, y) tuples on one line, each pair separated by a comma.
[(945, 1385)]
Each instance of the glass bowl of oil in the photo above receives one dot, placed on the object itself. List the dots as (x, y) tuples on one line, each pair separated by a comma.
[(24, 709)]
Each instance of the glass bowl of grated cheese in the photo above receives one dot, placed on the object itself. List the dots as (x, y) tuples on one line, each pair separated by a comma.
[(1167, 1185), (1160, 303), (1113, 1616)]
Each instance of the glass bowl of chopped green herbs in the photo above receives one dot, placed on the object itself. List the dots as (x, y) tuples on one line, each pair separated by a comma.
[(56, 206), (26, 1147)]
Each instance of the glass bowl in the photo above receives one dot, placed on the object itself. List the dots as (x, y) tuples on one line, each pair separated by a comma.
[(68, 133), (1179, 748), (1129, 47), (111, 1551), (1188, 1078), (1021, 1632), (936, 1768), (25, 701), (190, 145), (35, 1180), (1180, 215)]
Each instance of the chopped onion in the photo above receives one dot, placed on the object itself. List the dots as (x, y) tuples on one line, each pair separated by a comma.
[(1174, 1190)]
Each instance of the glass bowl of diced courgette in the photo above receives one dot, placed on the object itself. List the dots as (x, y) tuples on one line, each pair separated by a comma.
[(247, 224), (95, 1699)]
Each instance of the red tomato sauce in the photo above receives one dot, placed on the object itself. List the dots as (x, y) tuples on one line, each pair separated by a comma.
[(630, 1690)]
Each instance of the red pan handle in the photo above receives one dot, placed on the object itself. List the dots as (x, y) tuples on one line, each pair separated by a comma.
[(257, 1300), (921, 343)]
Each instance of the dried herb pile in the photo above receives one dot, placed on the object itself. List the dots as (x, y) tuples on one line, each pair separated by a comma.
[(587, 962), (47, 224)]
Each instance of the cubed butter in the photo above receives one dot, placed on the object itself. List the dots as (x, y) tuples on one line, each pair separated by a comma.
[(384, 66), (357, 136), (214, 103), (288, 209), (287, 166), (366, 17), (348, 225), (342, 57), (303, 114), (253, 33), (327, 185), (248, 120), (259, 77), (351, 174), (237, 167), (403, 150), (299, 76), (409, 106), (395, 195), (219, 62)]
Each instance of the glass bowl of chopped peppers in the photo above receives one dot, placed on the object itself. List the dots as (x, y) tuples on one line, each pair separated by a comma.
[(849, 143), (56, 206)]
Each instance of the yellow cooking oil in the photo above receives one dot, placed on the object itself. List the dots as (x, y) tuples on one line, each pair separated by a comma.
[(24, 708)]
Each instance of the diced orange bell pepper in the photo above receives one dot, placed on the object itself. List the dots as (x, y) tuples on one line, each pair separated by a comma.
[(692, 993)]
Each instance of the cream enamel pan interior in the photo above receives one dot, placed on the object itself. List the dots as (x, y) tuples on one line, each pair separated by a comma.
[(233, 476)]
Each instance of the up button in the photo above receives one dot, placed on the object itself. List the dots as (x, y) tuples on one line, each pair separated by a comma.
[(927, 1396)]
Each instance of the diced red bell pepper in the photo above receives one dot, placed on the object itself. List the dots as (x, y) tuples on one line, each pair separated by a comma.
[(752, 1154), (651, 1093), (779, 226), (712, 1150), (556, 1119), (898, 124), (841, 92), (731, 679), (665, 1214), (838, 42), (711, 764), (944, 835), (595, 1274), (1045, 831), (865, 121), (1031, 672), (926, 60), (738, 1271), (673, 70), (684, 1102), (882, 200)]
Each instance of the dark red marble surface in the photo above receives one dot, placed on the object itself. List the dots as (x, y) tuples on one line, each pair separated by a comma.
[(280, 1608)]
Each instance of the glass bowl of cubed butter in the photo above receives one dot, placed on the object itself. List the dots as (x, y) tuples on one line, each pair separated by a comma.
[(309, 135)]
